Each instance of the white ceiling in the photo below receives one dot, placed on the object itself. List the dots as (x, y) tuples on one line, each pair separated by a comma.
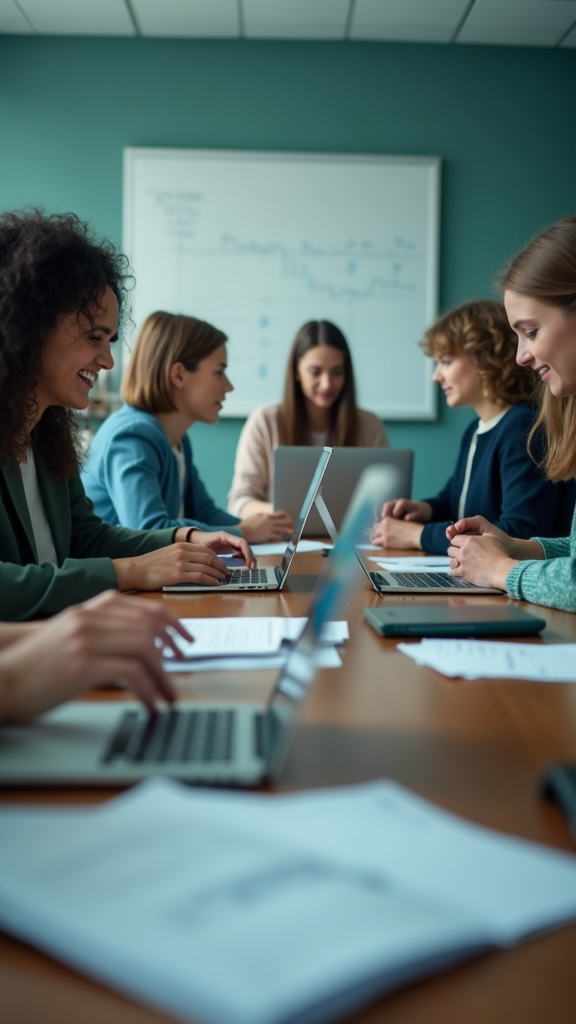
[(491, 22)]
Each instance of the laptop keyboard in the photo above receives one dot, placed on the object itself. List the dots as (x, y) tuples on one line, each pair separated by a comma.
[(245, 576), (175, 735), (421, 579)]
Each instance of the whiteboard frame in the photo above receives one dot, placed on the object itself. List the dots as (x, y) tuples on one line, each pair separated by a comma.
[(132, 154)]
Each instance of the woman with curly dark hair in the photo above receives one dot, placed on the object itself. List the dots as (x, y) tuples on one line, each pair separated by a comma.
[(62, 294), (475, 352)]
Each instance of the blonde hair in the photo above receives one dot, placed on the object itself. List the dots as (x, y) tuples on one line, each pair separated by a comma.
[(546, 270), (165, 339), (480, 330)]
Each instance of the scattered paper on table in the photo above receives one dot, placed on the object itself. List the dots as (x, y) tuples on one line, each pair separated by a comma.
[(242, 909), (474, 659), (325, 657), (248, 642)]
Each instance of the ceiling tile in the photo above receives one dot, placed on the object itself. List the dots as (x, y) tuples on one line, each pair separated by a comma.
[(518, 22), (408, 20), (12, 21), (188, 18), (78, 17), (295, 19)]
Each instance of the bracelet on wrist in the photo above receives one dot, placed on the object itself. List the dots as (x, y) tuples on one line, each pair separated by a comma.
[(189, 534)]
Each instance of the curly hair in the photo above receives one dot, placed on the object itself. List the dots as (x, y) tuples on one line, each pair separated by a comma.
[(546, 270), (481, 331), (293, 419), (50, 266)]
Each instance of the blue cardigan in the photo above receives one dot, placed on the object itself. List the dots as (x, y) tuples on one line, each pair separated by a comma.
[(505, 486), (131, 475)]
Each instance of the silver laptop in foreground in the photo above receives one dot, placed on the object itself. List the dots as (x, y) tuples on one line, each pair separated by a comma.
[(394, 581), (294, 467), (116, 743), (272, 577)]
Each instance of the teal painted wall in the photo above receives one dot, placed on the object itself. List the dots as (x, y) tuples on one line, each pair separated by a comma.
[(501, 119)]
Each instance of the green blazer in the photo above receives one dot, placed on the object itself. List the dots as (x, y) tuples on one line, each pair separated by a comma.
[(85, 546)]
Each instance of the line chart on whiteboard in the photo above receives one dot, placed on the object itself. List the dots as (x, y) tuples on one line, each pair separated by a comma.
[(259, 246)]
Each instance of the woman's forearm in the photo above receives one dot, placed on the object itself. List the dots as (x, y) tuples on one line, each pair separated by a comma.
[(526, 550), (10, 632)]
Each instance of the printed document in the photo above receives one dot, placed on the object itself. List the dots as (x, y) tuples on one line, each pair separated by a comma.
[(246, 909), (474, 659)]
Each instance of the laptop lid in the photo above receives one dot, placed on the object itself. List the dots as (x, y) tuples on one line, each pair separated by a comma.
[(433, 620), (323, 457), (294, 467), (295, 680), (272, 578)]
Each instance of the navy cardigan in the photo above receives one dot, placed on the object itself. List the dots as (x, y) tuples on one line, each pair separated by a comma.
[(505, 486)]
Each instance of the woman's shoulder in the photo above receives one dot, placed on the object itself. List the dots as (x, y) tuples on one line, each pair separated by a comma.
[(517, 420), (129, 423), (370, 429), (264, 418)]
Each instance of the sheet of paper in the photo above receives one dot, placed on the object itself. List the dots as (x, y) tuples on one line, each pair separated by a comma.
[(409, 564), (474, 659), (257, 637), (230, 636), (302, 904), (279, 549), (335, 632), (326, 657)]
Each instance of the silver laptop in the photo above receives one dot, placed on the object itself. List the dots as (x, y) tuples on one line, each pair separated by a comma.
[(394, 581), (272, 577), (294, 467), (117, 743)]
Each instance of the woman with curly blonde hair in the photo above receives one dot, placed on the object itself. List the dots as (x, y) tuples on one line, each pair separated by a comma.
[(495, 476)]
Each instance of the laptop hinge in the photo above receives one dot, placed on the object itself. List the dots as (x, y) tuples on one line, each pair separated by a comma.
[(326, 517)]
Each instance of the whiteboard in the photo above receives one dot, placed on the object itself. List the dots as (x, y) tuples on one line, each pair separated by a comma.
[(259, 243)]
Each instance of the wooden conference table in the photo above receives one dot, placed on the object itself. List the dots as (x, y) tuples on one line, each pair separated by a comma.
[(475, 748)]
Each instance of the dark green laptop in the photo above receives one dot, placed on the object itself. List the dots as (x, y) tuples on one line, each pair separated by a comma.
[(446, 620)]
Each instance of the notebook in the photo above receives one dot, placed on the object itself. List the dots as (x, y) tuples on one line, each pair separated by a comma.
[(117, 743), (294, 467), (387, 581), (445, 620), (271, 577)]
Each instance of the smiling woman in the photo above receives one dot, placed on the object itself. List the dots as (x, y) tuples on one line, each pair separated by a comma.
[(62, 295), (540, 296), (475, 351)]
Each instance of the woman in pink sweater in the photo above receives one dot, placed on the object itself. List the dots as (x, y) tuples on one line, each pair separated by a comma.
[(318, 408)]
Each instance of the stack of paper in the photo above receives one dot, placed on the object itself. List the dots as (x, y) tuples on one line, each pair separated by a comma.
[(474, 659), (248, 643), (236, 909)]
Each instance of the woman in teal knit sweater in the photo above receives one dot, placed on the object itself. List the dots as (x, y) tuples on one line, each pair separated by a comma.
[(540, 299)]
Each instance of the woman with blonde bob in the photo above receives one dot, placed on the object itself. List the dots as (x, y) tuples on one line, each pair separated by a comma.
[(318, 408), (140, 471), (540, 298), (475, 352)]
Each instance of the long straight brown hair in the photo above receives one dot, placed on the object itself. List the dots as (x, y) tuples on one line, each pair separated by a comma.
[(546, 270), (294, 428)]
